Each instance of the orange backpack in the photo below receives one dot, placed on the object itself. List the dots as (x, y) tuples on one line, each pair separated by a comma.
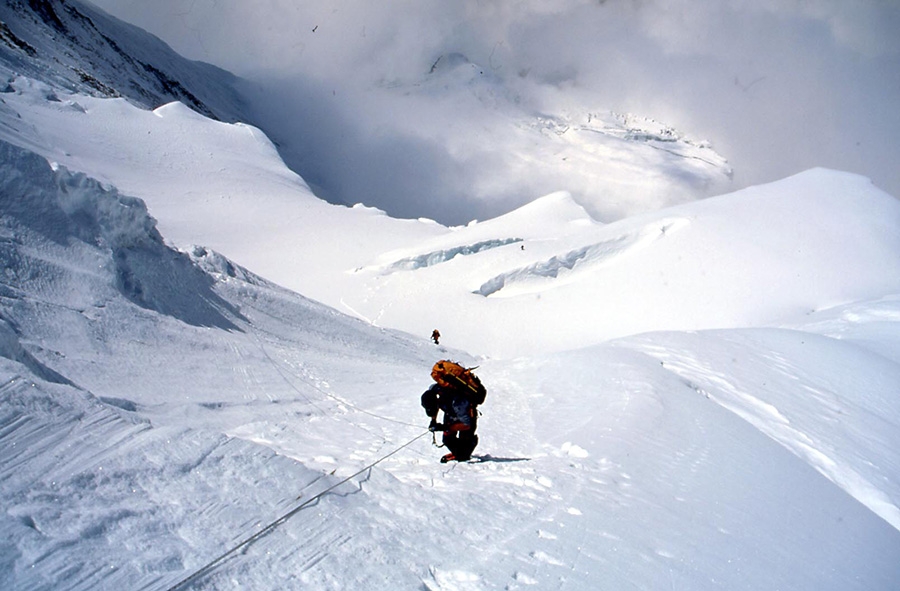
[(450, 373)]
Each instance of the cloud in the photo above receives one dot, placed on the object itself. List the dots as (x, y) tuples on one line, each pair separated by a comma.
[(778, 86)]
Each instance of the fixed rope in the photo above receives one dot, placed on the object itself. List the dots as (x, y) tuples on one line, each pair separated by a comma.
[(206, 569), (311, 384)]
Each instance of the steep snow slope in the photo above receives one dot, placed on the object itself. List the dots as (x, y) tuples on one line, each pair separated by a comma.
[(160, 403), (147, 427), (74, 46), (760, 256), (102, 486)]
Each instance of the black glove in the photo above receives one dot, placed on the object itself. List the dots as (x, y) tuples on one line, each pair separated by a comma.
[(435, 426)]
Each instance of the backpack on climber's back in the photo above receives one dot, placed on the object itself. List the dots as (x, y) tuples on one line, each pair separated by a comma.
[(450, 373)]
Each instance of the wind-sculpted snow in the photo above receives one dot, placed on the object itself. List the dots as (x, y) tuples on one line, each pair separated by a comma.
[(73, 211), (128, 505), (442, 256), (64, 206), (157, 407), (12, 349)]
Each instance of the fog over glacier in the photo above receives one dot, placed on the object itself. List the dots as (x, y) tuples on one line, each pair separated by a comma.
[(776, 87)]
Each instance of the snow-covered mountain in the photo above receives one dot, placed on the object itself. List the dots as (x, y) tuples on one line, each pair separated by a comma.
[(614, 164), (74, 46), (702, 397), (684, 267)]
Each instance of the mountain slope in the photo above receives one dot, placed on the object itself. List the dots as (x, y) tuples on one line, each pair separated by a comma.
[(816, 240), (114, 462), (77, 47), (147, 431), (161, 403)]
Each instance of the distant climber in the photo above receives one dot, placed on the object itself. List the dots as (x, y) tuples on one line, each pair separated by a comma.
[(436, 336), (457, 392)]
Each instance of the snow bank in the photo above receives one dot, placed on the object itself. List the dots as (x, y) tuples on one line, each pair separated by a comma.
[(72, 210)]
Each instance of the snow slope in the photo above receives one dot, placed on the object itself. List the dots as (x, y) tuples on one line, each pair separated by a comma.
[(148, 428), (162, 406), (699, 397), (823, 238), (77, 47), (83, 269)]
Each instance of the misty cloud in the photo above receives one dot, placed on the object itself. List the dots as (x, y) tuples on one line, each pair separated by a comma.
[(778, 86)]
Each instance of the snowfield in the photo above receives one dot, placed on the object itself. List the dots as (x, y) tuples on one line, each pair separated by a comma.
[(706, 264), (162, 406), (210, 378)]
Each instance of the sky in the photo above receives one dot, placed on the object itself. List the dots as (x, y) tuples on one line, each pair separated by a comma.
[(777, 87)]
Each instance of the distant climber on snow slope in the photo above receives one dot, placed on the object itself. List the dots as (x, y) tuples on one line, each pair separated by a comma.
[(457, 392), (436, 336)]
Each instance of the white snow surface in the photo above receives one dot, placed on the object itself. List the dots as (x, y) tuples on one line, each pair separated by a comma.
[(702, 397)]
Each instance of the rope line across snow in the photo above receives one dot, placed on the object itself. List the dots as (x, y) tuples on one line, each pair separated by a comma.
[(308, 382), (204, 570)]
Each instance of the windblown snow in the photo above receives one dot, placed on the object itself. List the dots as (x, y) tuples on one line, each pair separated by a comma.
[(699, 397)]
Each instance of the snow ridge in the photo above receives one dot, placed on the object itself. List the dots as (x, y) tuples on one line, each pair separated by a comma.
[(65, 208)]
